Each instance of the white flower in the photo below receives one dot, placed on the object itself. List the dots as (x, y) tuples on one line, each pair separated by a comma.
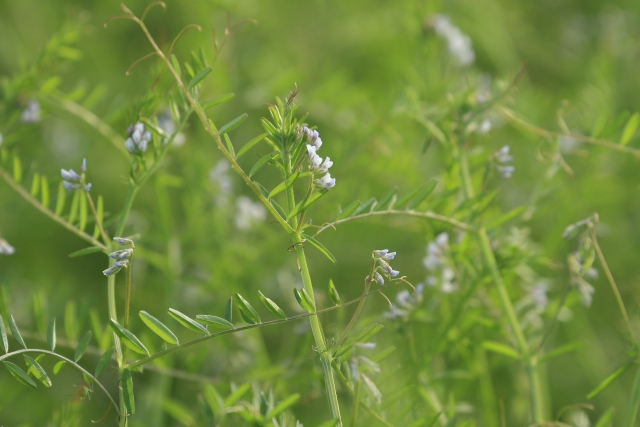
[(248, 212), (458, 43), (31, 114), (138, 138), (311, 150), (313, 136), (326, 181), (324, 167), (6, 248), (484, 126)]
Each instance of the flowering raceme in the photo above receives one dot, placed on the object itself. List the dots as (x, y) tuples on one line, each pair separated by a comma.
[(316, 163)]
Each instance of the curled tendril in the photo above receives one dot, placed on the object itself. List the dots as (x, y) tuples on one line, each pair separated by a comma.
[(139, 60), (196, 26), (126, 10), (388, 302), (404, 280), (111, 18), (151, 6), (291, 248), (104, 416)]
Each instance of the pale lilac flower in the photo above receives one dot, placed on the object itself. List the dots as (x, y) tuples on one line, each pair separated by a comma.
[(115, 268), (326, 181), (502, 159), (69, 186), (121, 254), (83, 166), (138, 139), (378, 278), (381, 253), (31, 114), (123, 241), (313, 136), (87, 188), (69, 175)]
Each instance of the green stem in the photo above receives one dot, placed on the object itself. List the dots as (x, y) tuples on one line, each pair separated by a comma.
[(634, 402), (356, 403), (612, 282), (536, 396), (180, 346), (71, 362)]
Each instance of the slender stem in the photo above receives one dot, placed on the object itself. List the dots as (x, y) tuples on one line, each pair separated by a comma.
[(127, 295), (507, 113), (210, 129), (356, 402), (610, 279), (71, 362), (634, 402), (103, 233), (33, 201), (536, 396), (453, 222), (356, 314), (240, 329)]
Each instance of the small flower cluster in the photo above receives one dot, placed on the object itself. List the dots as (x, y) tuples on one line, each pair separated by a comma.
[(582, 270), (458, 43), (316, 164), (382, 257), (122, 256), (138, 138), (502, 160), (406, 303), (72, 180), (437, 263), (6, 248)]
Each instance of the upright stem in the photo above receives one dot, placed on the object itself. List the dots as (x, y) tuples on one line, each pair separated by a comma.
[(531, 362), (634, 402), (612, 282)]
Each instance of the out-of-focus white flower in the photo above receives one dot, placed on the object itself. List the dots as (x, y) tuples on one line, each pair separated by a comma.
[(502, 159), (484, 127), (6, 248), (168, 126), (220, 177), (31, 114), (458, 43), (538, 294), (326, 181), (248, 212), (440, 275)]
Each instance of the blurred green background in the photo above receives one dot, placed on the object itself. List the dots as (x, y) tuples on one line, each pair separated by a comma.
[(358, 64)]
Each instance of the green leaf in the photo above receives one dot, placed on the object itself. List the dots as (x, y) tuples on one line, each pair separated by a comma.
[(431, 185), (303, 299), (361, 336), (284, 185), (503, 349), (99, 217), (128, 338), (233, 123), (233, 398), (365, 207), (51, 334), (127, 391), (386, 199), (278, 209), (246, 147), (217, 101), (272, 306), (15, 332), (306, 203), (4, 342), (350, 209), (58, 366), (73, 211), (19, 374), (215, 321), (62, 194), (330, 423), (567, 348), (39, 373), (17, 169), (176, 65), (227, 140), (44, 195), (158, 327), (610, 379), (333, 293), (70, 325), (283, 406), (82, 346), (104, 360), (410, 195), (263, 161), (32, 371), (320, 247), (85, 251), (513, 213), (607, 418), (248, 313), (228, 310), (188, 322), (35, 185), (199, 77), (630, 129)]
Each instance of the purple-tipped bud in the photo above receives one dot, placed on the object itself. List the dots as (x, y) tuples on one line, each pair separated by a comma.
[(389, 256), (69, 186), (381, 253), (378, 278), (83, 167), (87, 188), (123, 241)]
